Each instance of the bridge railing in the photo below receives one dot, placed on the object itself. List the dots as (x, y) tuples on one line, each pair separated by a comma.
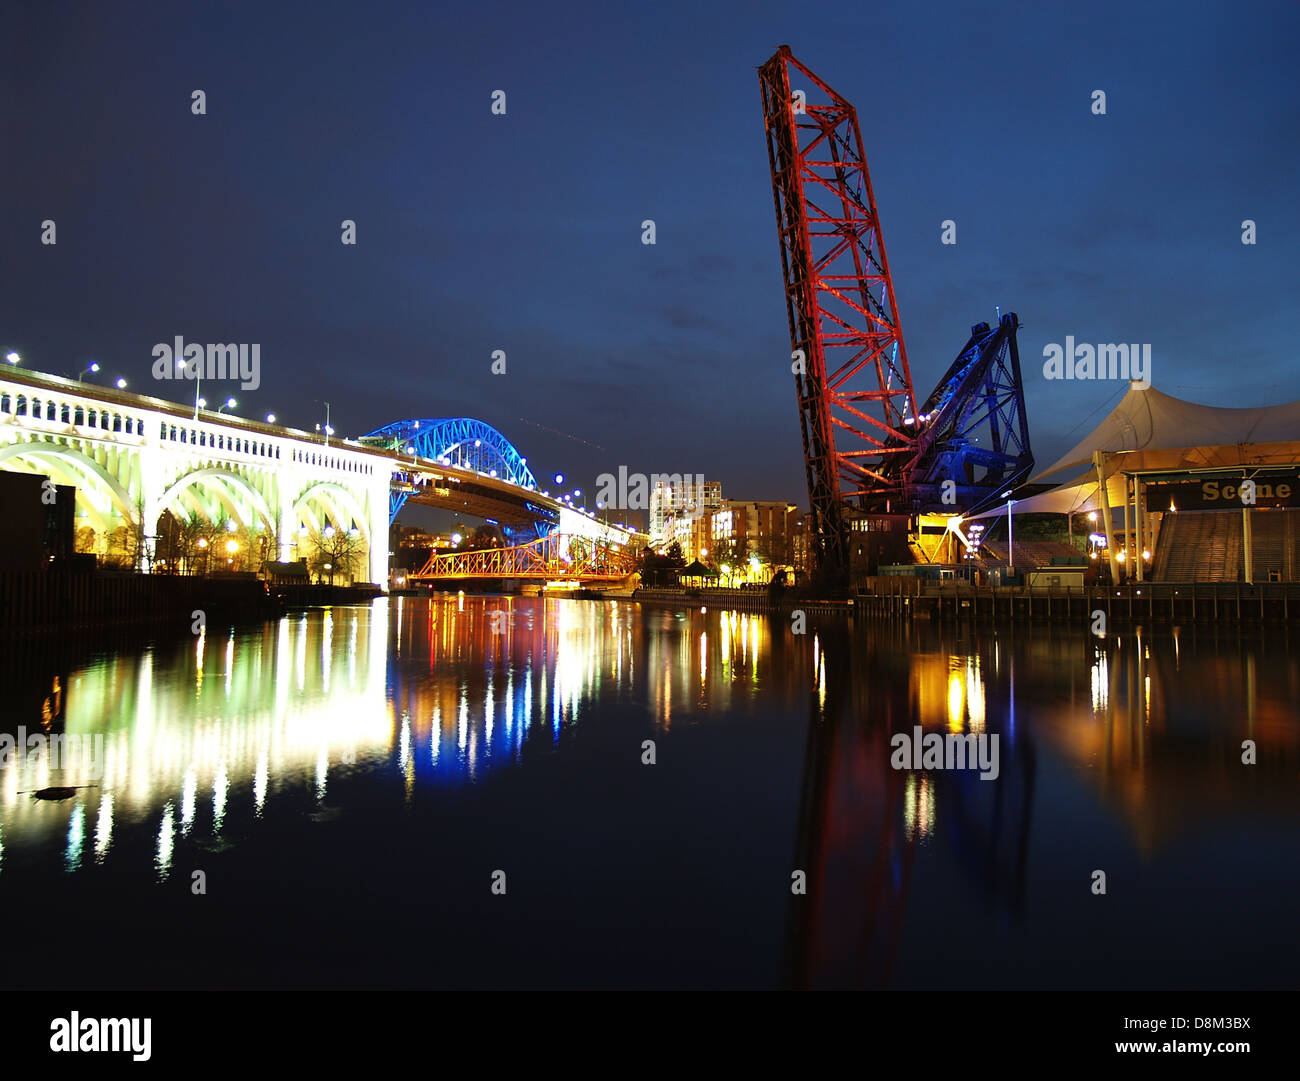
[(559, 555)]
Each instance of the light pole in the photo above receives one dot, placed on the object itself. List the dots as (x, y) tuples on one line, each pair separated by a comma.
[(94, 367), (198, 384), (229, 403), (1011, 546), (328, 430)]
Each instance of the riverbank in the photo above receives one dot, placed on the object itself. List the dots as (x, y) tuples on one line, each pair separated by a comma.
[(47, 601), (1148, 603)]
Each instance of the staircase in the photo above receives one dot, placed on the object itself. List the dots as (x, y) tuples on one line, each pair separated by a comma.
[(1207, 546)]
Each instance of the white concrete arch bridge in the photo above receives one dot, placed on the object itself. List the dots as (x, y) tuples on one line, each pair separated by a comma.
[(134, 457)]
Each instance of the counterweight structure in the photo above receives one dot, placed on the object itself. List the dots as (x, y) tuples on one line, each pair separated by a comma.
[(868, 449)]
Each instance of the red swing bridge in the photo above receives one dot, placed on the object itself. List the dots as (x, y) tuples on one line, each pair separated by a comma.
[(554, 558)]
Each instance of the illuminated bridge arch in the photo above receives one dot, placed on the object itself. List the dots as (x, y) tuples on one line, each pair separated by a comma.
[(214, 491), (462, 442), (104, 498)]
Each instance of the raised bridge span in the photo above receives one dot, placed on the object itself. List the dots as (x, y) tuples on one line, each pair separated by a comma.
[(133, 457)]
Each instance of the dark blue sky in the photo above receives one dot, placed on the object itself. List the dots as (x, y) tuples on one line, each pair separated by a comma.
[(522, 232)]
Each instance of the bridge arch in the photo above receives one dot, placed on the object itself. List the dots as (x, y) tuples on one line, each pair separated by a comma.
[(458, 441), (236, 495), (99, 489), (336, 501)]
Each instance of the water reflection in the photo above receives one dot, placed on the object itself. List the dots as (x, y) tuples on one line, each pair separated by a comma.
[(1122, 748)]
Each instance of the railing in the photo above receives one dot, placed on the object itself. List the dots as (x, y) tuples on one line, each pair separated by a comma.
[(54, 411), (558, 556), (1132, 602)]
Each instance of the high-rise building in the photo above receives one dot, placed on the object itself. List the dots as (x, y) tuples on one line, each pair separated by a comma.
[(675, 508)]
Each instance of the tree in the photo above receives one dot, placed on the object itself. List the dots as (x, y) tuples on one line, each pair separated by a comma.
[(336, 551)]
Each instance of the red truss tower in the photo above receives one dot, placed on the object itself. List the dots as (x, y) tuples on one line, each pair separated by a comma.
[(855, 388)]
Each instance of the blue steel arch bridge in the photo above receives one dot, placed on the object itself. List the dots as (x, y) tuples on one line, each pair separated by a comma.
[(470, 446)]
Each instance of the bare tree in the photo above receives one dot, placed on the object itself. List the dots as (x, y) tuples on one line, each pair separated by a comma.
[(336, 551)]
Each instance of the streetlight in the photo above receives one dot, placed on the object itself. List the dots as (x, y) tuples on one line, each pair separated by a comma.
[(199, 403), (328, 430), (270, 418), (559, 478), (94, 367), (229, 403), (12, 357), (1011, 548), (121, 383)]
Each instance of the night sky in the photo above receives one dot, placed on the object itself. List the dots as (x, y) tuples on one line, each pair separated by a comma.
[(522, 232)]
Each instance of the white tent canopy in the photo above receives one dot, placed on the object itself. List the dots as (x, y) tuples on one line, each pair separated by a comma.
[(1155, 431), (1176, 434)]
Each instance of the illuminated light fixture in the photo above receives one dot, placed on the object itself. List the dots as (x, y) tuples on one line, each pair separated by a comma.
[(1122, 556), (270, 418), (232, 546), (328, 531), (1146, 554), (12, 357), (121, 384), (559, 478)]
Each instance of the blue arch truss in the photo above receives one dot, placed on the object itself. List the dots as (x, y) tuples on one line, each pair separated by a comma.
[(462, 442)]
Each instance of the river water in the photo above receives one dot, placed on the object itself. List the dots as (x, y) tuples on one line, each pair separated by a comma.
[(458, 792)]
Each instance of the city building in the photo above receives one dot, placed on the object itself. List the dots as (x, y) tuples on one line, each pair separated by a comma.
[(674, 507), (754, 538)]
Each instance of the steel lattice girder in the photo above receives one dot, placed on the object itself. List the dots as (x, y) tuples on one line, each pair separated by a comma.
[(558, 555), (840, 304), (979, 397), (461, 441)]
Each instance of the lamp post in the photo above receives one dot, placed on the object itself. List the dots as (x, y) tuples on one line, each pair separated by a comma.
[(328, 430), (1011, 546), (229, 403), (94, 367)]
